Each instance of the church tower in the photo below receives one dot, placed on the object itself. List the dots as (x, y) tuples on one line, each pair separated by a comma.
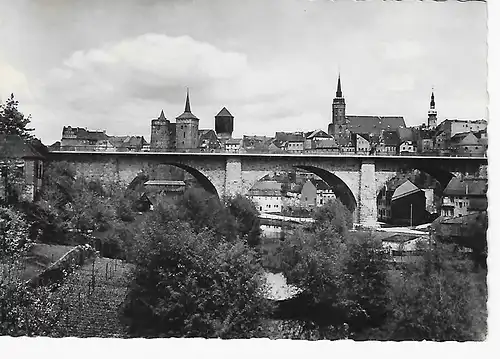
[(432, 113), (338, 124), (187, 128)]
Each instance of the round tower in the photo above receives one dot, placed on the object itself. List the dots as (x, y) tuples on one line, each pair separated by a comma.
[(160, 140), (187, 128), (224, 124)]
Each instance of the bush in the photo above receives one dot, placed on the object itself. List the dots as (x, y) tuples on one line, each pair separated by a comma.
[(333, 215), (247, 219), (14, 234), (439, 299), (189, 284), (343, 277), (204, 211), (46, 223), (27, 311)]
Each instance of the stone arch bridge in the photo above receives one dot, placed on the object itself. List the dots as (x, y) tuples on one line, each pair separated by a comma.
[(356, 179)]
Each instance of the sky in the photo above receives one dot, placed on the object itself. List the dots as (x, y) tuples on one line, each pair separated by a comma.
[(114, 65)]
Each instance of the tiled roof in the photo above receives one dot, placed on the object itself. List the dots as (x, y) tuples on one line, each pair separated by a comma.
[(265, 192), (464, 139), (317, 133), (187, 115), (267, 185), (404, 190), (224, 113), (206, 134), (478, 203), (456, 187), (290, 136), (406, 134), (56, 146), (373, 124), (13, 146), (127, 141), (390, 138), (84, 134)]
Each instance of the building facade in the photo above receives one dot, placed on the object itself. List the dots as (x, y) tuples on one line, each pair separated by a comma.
[(21, 169)]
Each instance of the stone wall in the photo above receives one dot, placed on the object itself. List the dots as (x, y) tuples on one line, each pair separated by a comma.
[(56, 272)]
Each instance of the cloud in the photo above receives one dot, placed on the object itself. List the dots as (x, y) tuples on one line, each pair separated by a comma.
[(120, 86), (13, 81)]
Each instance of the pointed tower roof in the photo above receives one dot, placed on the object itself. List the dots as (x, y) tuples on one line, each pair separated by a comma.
[(224, 113), (339, 88), (433, 104), (162, 116), (187, 110)]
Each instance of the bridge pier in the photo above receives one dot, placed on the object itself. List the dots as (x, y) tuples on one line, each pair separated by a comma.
[(233, 183), (367, 201)]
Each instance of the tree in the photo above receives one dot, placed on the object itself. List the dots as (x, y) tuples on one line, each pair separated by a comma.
[(247, 219), (440, 299), (204, 212), (343, 276), (13, 122), (189, 284), (334, 215)]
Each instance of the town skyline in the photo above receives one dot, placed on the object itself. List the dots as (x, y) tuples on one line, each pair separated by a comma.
[(280, 76)]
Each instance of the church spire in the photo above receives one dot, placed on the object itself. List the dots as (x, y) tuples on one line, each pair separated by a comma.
[(433, 104), (339, 89), (188, 106)]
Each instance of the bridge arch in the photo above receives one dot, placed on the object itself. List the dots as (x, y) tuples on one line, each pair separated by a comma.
[(149, 173), (340, 188)]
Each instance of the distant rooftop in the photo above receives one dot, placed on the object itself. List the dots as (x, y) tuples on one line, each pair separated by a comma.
[(13, 146)]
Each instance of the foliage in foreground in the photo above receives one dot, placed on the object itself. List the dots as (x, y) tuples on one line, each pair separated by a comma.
[(442, 298), (347, 291), (189, 284), (14, 240)]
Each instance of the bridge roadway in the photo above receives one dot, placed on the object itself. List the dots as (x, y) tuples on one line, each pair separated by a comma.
[(356, 179)]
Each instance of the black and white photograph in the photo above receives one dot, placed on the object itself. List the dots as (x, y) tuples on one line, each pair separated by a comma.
[(234, 169)]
